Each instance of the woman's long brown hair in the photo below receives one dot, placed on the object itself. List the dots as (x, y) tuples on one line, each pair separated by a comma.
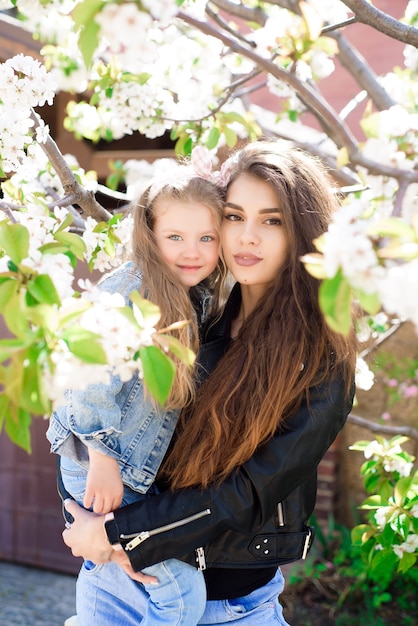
[(283, 348), (159, 283)]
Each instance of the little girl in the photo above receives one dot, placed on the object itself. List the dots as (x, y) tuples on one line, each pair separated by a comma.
[(112, 438)]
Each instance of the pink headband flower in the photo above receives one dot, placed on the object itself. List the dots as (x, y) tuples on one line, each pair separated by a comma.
[(202, 164)]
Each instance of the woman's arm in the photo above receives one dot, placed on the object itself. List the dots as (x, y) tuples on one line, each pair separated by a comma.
[(243, 502)]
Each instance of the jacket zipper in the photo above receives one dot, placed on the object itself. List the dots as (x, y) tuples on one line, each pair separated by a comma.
[(136, 539), (200, 559), (280, 515)]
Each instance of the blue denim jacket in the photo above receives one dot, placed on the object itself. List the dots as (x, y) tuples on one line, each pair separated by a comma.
[(116, 419)]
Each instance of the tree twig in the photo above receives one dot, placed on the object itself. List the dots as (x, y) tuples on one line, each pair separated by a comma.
[(83, 198), (367, 14), (407, 431)]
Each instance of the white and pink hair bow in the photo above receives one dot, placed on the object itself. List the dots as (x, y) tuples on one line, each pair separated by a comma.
[(202, 165)]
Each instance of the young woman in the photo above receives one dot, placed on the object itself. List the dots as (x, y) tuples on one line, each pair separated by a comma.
[(112, 438), (240, 477)]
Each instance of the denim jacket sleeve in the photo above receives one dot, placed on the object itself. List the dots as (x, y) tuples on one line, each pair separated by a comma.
[(175, 524)]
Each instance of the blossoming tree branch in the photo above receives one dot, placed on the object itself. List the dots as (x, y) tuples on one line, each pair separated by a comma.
[(193, 75), (191, 68)]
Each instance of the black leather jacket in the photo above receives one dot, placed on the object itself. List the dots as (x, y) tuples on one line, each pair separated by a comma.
[(258, 517)]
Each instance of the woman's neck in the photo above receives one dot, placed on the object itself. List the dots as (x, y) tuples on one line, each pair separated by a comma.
[(250, 296)]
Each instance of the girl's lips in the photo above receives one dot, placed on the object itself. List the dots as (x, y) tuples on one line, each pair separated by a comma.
[(246, 260), (189, 268)]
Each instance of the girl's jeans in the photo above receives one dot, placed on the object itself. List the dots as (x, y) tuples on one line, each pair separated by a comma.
[(178, 599), (107, 596)]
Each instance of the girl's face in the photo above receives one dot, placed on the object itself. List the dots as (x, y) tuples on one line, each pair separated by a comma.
[(254, 242), (188, 238)]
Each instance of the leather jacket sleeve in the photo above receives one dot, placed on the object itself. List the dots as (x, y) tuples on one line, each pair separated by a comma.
[(171, 525)]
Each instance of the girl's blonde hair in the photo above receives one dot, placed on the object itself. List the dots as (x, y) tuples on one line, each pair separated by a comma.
[(283, 348), (160, 285)]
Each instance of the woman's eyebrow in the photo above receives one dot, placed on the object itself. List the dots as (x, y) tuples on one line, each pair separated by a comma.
[(236, 207), (231, 205)]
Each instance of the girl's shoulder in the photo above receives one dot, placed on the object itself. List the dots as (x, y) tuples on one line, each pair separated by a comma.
[(123, 279)]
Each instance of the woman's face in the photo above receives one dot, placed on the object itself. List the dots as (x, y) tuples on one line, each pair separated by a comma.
[(254, 242)]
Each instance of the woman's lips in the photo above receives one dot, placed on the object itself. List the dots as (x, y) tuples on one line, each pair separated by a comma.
[(246, 260)]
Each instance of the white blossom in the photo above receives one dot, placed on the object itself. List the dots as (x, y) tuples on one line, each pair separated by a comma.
[(381, 516), (364, 375)]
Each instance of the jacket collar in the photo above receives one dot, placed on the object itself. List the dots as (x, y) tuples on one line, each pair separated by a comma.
[(221, 327)]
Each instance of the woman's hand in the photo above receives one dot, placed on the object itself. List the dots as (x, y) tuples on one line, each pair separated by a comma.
[(120, 558), (87, 536)]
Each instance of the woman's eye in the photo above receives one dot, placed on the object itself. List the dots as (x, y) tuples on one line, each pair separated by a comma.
[(232, 217), (274, 221)]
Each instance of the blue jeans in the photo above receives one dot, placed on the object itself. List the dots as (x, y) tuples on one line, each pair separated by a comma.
[(178, 599), (107, 596)]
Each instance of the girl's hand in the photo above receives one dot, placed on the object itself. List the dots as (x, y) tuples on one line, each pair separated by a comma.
[(87, 536)]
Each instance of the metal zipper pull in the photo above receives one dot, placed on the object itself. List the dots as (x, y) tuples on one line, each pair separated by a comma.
[(306, 545), (200, 559), (280, 516), (137, 540)]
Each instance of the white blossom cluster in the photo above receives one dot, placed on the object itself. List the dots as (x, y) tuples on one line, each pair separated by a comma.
[(96, 244), (390, 456), (24, 84), (347, 247), (41, 225), (120, 341)]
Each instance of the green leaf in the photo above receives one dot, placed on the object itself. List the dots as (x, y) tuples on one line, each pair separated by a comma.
[(43, 290), (74, 242), (159, 372), (230, 136), (175, 346), (335, 303), (141, 78), (392, 227), (17, 426), (14, 240), (213, 138), (371, 125), (182, 145), (407, 561), (85, 345), (361, 533), (314, 264), (402, 487), (15, 314), (10, 346), (7, 291), (147, 313), (232, 116), (33, 398), (370, 302), (66, 222), (373, 502)]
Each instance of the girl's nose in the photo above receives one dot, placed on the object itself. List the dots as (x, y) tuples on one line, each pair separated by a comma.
[(191, 250)]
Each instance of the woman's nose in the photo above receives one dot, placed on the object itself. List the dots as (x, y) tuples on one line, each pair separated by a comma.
[(249, 235)]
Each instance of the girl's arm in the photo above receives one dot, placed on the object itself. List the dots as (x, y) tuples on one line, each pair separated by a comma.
[(104, 487)]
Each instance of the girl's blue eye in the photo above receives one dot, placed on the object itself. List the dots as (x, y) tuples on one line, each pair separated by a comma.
[(207, 238), (175, 237)]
